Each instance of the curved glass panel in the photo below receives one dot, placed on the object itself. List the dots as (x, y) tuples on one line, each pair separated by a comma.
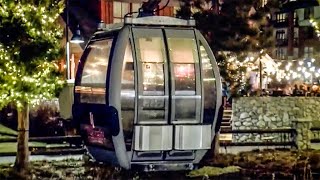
[(152, 98), (128, 96), (152, 61), (92, 87), (209, 86), (184, 59)]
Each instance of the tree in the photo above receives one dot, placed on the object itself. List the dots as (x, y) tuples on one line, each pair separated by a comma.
[(232, 29), (30, 44), (239, 27)]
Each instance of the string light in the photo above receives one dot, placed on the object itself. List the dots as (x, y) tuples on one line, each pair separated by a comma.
[(315, 26), (18, 83)]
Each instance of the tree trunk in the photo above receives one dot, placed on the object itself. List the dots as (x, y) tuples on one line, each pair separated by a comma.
[(22, 158)]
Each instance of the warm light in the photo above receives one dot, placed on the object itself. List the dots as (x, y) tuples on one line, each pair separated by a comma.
[(307, 74), (309, 64), (303, 69), (294, 75), (287, 68), (312, 69)]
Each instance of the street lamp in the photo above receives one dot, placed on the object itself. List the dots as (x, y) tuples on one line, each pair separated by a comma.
[(76, 38)]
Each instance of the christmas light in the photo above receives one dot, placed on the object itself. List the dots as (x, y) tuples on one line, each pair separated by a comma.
[(30, 80)]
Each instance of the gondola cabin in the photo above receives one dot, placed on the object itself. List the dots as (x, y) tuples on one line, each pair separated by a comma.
[(147, 94)]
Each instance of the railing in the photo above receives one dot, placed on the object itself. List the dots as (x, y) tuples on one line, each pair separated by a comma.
[(72, 140), (285, 137), (55, 145), (74, 144)]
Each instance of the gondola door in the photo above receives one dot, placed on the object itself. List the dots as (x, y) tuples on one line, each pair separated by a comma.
[(152, 129), (186, 91), (169, 104)]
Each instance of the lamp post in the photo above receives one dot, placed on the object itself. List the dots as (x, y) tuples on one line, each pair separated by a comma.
[(76, 38), (67, 41)]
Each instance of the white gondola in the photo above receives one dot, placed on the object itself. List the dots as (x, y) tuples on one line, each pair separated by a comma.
[(147, 94)]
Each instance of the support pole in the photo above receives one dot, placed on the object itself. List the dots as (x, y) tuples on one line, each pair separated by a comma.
[(260, 72), (67, 41)]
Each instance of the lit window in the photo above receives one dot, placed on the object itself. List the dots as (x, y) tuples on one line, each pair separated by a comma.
[(280, 53), (308, 52), (281, 17), (280, 35)]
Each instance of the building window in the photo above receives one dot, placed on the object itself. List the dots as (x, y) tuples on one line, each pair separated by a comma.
[(295, 53), (120, 9), (280, 35), (308, 12), (308, 52), (296, 37), (280, 53), (281, 17)]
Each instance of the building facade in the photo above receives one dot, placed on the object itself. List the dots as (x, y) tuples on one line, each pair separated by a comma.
[(294, 36), (89, 15)]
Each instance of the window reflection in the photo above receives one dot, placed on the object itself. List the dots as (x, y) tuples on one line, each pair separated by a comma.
[(153, 78), (95, 68), (152, 100), (183, 50), (183, 57), (209, 85), (127, 96), (185, 77), (151, 49), (93, 78)]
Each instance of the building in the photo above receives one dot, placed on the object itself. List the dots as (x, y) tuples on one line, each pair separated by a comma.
[(294, 36), (291, 32), (89, 15), (296, 40)]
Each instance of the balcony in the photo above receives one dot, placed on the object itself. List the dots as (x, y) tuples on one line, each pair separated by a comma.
[(281, 23)]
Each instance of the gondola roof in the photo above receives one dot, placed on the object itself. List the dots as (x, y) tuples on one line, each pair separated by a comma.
[(112, 29)]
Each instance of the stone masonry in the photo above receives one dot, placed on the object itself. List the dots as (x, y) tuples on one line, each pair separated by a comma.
[(272, 113)]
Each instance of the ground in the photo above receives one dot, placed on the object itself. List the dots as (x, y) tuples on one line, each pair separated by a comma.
[(11, 147), (284, 164)]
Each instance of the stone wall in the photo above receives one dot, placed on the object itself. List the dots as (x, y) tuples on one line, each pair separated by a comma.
[(271, 113)]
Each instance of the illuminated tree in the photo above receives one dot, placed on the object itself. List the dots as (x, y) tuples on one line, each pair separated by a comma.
[(30, 44)]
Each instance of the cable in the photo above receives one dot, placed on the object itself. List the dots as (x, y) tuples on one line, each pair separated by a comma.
[(129, 13), (163, 6), (141, 9)]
